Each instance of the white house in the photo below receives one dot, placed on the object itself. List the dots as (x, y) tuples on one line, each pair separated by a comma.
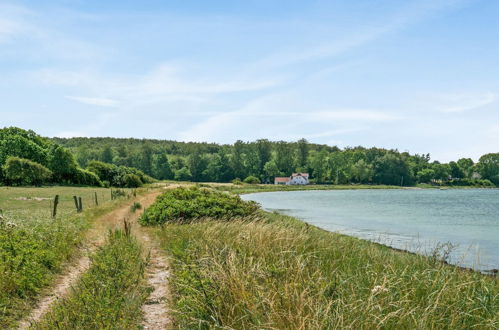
[(294, 179)]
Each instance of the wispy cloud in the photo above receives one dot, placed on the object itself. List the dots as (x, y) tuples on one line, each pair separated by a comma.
[(412, 13), (465, 102), (102, 102), (164, 83)]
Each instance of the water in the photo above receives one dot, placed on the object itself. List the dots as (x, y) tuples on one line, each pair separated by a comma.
[(412, 219)]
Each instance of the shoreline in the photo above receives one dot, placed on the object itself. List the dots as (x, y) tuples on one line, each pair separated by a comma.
[(494, 272)]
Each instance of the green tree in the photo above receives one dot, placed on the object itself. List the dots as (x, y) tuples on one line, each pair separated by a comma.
[(284, 157), (237, 161), (362, 171), (197, 165), (488, 167), (271, 170), (320, 166), (264, 150), (183, 174), (302, 153), (426, 175), (19, 171), (392, 170), (63, 164), (107, 155), (466, 165), (161, 168)]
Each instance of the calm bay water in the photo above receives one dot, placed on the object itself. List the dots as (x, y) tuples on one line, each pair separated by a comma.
[(412, 219)]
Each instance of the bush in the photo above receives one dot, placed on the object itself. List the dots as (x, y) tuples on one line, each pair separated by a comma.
[(135, 206), (185, 204), (87, 178), (252, 180), (131, 181), (19, 171), (237, 181), (119, 176)]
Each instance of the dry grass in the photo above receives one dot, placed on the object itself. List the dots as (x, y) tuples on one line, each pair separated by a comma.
[(275, 272)]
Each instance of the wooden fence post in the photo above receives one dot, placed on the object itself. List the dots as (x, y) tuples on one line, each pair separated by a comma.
[(96, 201), (80, 205), (76, 203), (56, 202)]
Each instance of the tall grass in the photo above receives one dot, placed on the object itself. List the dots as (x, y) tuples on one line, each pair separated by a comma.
[(109, 295), (275, 272), (34, 247)]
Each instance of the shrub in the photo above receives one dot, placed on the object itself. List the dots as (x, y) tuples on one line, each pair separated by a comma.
[(237, 181), (185, 204), (131, 181), (119, 176), (87, 178), (135, 206), (21, 171), (252, 180)]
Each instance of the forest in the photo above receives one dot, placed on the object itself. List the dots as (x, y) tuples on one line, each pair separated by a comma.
[(29, 159), (262, 160)]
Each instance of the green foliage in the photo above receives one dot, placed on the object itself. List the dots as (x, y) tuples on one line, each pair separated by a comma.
[(135, 206), (161, 168), (186, 204), (252, 180), (276, 272), (34, 246), (110, 295), (488, 167), (203, 162), (183, 174), (131, 181), (16, 142), (237, 181), (63, 164), (118, 176), (86, 178), (426, 175), (19, 171)]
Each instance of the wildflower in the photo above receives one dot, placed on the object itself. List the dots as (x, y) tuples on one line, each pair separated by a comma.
[(378, 289)]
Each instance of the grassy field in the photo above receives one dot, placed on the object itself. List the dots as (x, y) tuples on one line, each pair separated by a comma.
[(271, 271), (34, 246), (253, 188), (110, 295)]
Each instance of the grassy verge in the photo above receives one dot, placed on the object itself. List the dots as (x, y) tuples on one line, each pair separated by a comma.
[(253, 188), (110, 295), (34, 247), (273, 271)]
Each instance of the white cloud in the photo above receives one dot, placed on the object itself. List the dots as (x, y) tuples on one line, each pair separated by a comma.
[(165, 83), (465, 102), (102, 102), (411, 13)]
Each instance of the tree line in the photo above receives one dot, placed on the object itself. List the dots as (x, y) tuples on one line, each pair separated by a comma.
[(29, 159), (262, 160)]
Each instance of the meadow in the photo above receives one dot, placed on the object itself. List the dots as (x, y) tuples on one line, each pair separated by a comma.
[(34, 246), (110, 294), (267, 271)]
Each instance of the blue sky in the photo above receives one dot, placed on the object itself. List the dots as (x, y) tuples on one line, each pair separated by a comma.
[(420, 76)]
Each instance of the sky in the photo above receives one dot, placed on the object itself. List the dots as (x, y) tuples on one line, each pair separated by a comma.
[(419, 76)]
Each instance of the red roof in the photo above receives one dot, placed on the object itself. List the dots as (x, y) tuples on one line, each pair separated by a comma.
[(281, 179)]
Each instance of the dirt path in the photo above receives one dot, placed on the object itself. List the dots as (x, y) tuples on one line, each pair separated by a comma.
[(96, 237), (155, 309)]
